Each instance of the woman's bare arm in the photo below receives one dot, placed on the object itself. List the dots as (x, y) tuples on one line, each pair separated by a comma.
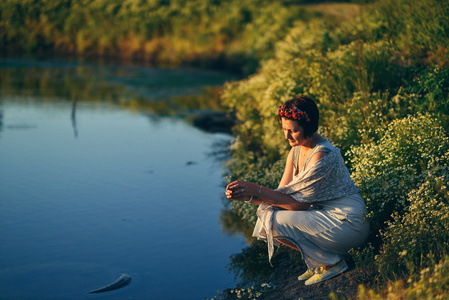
[(281, 200), (242, 190)]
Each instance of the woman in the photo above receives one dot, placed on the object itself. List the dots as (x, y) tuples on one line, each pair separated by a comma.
[(316, 209)]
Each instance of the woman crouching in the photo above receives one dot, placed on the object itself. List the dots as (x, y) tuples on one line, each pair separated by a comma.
[(316, 209)]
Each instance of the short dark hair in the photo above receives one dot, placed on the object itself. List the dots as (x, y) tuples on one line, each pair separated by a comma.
[(307, 105)]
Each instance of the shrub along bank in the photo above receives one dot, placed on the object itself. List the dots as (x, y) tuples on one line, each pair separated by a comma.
[(229, 34), (382, 86)]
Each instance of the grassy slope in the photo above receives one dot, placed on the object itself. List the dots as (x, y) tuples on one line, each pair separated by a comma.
[(381, 66)]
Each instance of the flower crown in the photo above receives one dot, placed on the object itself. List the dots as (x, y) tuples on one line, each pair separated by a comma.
[(293, 113)]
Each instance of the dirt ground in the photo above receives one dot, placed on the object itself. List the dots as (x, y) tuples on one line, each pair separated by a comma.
[(285, 285)]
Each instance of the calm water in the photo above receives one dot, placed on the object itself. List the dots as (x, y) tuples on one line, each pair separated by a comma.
[(94, 183)]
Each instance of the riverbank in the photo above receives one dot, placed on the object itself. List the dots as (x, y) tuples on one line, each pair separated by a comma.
[(228, 35), (285, 285)]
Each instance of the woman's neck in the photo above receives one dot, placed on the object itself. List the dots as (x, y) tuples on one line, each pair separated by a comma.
[(311, 142)]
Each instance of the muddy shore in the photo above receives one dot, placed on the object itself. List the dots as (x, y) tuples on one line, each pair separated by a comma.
[(285, 286)]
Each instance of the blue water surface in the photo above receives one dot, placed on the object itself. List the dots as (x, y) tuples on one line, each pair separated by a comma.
[(92, 189)]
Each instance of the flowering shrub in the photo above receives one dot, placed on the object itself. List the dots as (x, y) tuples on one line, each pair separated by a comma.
[(365, 114), (332, 78), (386, 171), (419, 237), (430, 93)]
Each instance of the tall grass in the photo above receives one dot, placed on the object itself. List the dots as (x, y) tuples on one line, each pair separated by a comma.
[(232, 34), (381, 87)]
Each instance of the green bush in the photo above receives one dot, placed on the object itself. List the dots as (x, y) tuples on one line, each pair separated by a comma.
[(387, 170), (240, 33), (333, 79), (431, 283), (418, 238), (368, 113), (430, 93), (419, 28), (380, 95), (365, 114), (348, 66)]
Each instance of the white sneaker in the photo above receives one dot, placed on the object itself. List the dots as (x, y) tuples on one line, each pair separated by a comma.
[(324, 274), (307, 274)]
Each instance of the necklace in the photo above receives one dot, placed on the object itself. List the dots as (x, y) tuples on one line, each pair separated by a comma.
[(303, 151)]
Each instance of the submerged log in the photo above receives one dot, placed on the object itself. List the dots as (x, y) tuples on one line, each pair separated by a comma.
[(214, 121)]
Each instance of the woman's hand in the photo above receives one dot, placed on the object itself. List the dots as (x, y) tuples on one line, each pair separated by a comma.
[(241, 190)]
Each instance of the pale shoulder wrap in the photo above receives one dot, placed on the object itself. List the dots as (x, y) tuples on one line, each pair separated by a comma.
[(326, 179)]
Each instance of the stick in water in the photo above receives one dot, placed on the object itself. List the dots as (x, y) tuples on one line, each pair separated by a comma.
[(123, 280)]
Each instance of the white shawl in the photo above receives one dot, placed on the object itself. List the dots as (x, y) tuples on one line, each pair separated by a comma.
[(326, 179)]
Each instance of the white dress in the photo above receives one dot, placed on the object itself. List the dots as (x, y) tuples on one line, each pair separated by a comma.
[(328, 229)]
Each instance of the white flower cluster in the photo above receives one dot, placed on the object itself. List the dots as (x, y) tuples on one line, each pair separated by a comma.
[(421, 232), (404, 179), (388, 170), (249, 293)]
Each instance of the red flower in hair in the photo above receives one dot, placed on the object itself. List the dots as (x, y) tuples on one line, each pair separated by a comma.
[(293, 113)]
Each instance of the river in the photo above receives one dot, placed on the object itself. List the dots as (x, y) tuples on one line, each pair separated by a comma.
[(101, 174)]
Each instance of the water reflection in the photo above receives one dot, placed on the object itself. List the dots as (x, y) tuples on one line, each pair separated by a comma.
[(1, 118), (105, 185), (157, 91), (250, 266), (233, 224), (75, 129)]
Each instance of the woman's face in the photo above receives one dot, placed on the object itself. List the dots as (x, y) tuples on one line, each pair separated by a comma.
[(293, 132)]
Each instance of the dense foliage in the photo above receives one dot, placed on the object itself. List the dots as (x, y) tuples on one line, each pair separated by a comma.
[(382, 85), (404, 179), (431, 283), (232, 34), (409, 151)]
